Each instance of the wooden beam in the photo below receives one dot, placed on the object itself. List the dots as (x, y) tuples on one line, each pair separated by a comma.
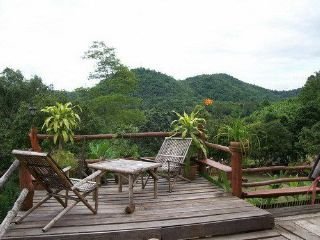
[(218, 147), (111, 136), (215, 164), (274, 181), (8, 173), (276, 168), (13, 212), (236, 166), (267, 193), (25, 178)]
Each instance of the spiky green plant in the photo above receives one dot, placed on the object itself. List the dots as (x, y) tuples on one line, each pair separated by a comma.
[(62, 121), (191, 125), (238, 131)]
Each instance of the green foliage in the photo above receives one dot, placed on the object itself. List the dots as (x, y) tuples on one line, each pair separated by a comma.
[(311, 90), (237, 130), (62, 121), (115, 148), (191, 126), (310, 139), (8, 196), (65, 158), (221, 180), (276, 176), (224, 87), (112, 99), (15, 120), (106, 61)]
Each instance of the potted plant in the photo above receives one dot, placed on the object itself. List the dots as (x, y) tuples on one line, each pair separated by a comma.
[(61, 123), (191, 125)]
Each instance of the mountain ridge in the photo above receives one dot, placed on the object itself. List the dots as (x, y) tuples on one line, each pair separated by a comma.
[(220, 87)]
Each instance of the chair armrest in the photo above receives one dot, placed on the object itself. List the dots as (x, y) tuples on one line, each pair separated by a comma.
[(87, 179), (66, 169), (146, 159)]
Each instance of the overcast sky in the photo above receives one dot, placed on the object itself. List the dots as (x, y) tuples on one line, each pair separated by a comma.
[(274, 43)]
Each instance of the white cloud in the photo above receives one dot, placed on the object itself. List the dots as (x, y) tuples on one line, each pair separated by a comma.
[(274, 44)]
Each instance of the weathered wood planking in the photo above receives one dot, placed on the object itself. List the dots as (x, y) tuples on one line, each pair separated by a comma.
[(195, 209), (266, 234)]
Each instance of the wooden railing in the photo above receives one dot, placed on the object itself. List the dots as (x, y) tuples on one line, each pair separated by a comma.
[(235, 171), (233, 150), (13, 212), (235, 175), (285, 191), (17, 205), (8, 173)]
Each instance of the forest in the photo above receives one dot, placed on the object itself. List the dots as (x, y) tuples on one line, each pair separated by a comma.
[(284, 126)]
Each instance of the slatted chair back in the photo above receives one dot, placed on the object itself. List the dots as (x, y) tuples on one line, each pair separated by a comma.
[(173, 150), (44, 169)]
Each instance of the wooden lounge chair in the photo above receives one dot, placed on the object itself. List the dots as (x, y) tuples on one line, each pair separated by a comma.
[(54, 180), (171, 155)]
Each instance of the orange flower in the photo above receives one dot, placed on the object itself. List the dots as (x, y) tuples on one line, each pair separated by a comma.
[(207, 101)]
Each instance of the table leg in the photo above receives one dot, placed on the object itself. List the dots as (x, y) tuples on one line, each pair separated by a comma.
[(119, 183), (153, 174), (155, 184), (131, 207)]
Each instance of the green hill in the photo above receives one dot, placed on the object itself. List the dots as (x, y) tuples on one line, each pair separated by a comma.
[(161, 91), (156, 88), (224, 87)]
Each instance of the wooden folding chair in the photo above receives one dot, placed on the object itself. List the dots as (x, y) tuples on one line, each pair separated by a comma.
[(54, 180), (171, 155)]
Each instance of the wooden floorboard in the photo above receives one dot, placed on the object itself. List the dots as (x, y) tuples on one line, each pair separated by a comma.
[(195, 209)]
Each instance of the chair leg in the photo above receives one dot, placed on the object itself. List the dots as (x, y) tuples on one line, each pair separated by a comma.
[(85, 202), (96, 199), (33, 208), (56, 218), (170, 188), (183, 178), (68, 208), (66, 200)]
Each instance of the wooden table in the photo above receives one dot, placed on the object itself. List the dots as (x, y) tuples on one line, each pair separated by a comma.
[(130, 169)]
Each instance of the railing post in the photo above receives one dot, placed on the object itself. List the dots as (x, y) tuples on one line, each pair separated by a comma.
[(201, 156), (236, 166), (25, 178)]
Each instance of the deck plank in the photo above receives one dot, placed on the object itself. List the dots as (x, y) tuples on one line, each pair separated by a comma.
[(194, 209)]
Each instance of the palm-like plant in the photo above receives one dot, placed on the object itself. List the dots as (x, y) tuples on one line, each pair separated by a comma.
[(238, 131), (191, 126), (62, 121)]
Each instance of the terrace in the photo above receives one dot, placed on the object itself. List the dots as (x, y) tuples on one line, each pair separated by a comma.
[(193, 210)]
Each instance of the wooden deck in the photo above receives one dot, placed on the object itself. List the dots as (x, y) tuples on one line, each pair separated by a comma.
[(291, 223), (196, 209)]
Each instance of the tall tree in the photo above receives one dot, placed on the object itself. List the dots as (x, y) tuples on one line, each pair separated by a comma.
[(112, 98), (106, 61)]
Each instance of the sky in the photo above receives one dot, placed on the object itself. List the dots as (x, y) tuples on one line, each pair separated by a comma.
[(270, 43)]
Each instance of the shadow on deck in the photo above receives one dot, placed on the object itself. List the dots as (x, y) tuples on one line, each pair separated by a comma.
[(194, 209)]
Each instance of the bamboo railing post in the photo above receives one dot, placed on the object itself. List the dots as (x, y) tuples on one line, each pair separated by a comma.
[(25, 177), (13, 212), (236, 166), (201, 156)]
